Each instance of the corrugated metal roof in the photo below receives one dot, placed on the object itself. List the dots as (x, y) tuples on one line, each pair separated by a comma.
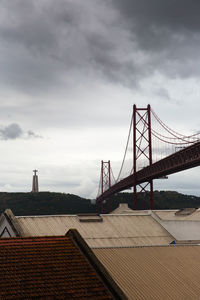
[(173, 215), (170, 272), (114, 230)]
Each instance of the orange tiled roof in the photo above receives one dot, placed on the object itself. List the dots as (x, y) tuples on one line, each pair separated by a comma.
[(47, 267)]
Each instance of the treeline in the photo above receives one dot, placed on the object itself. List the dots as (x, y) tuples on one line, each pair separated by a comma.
[(46, 203), (162, 200)]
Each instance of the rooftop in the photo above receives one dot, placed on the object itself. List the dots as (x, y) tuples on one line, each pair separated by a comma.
[(113, 230), (49, 267), (186, 214), (167, 272)]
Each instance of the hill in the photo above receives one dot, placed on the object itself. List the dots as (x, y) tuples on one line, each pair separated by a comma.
[(162, 200), (46, 203)]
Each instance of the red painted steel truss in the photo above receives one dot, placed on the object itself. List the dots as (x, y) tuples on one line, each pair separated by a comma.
[(105, 178), (186, 158), (142, 149)]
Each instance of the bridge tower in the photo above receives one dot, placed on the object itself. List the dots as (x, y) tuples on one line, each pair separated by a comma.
[(142, 149), (105, 178)]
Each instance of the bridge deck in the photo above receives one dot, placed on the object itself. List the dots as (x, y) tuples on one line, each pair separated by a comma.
[(186, 158)]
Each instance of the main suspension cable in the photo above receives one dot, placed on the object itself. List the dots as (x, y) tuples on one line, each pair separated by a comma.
[(163, 139), (172, 143), (112, 174), (171, 131), (129, 133)]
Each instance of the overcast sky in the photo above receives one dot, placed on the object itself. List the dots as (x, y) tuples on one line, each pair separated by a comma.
[(70, 71)]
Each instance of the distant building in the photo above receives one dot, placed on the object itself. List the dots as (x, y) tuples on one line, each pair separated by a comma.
[(35, 186), (123, 209), (183, 224)]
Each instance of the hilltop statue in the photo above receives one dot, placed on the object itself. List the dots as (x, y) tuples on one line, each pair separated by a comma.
[(35, 188)]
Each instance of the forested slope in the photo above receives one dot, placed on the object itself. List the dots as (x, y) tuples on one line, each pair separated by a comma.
[(46, 203)]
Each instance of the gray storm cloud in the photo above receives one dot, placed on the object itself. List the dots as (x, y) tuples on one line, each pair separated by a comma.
[(11, 132), (121, 41), (167, 32), (57, 41), (177, 15), (14, 131), (52, 51)]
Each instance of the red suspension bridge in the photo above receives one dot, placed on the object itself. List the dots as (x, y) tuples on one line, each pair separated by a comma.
[(154, 155)]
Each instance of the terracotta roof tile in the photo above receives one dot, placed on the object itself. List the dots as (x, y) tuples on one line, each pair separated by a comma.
[(47, 267)]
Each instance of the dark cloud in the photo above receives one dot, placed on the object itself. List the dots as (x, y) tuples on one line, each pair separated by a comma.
[(50, 47), (173, 14), (31, 134), (45, 45), (60, 53), (14, 131), (167, 32)]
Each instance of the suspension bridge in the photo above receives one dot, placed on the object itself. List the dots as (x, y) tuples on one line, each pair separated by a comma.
[(153, 151)]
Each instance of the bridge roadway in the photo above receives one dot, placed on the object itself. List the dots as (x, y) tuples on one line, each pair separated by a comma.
[(186, 158)]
